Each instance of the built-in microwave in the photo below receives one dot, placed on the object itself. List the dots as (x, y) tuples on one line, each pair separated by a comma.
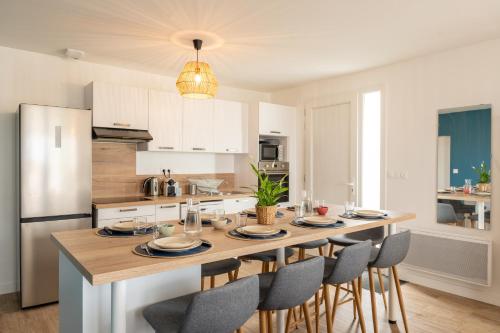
[(270, 151)]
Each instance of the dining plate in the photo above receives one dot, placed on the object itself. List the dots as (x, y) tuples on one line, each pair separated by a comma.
[(483, 194), (174, 242), (259, 230), (319, 220), (369, 213), (127, 226), (154, 246), (250, 211)]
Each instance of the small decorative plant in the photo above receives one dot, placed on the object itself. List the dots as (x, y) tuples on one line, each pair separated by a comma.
[(483, 173), (268, 194)]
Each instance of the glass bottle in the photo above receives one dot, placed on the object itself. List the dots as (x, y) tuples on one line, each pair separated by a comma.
[(307, 204), (192, 223)]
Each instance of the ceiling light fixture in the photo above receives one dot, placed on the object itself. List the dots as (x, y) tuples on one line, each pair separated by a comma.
[(197, 80)]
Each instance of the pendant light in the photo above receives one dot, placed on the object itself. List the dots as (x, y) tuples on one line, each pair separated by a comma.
[(197, 79)]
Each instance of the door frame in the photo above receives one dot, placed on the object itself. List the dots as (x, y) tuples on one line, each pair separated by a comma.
[(345, 98)]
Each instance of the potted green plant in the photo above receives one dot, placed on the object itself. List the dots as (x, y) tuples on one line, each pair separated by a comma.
[(483, 184), (268, 194)]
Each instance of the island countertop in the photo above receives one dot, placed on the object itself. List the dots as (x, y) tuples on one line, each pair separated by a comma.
[(103, 260)]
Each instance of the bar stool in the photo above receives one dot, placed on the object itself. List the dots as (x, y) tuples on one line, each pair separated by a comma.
[(229, 266), (317, 244), (267, 257), (288, 287), (393, 251), (376, 235), (218, 310), (349, 265)]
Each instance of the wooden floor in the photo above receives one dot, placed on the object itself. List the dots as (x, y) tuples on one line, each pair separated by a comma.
[(428, 311)]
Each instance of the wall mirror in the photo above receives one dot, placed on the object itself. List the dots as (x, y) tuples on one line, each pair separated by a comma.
[(463, 167)]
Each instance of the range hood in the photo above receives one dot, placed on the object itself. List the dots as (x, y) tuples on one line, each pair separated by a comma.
[(104, 134)]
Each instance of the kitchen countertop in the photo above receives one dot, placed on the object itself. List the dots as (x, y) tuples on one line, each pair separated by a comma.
[(159, 200), (104, 260)]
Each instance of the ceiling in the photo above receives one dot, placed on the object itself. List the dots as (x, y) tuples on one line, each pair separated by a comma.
[(263, 45)]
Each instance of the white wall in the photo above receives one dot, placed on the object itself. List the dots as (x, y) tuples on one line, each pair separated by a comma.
[(28, 77), (414, 91)]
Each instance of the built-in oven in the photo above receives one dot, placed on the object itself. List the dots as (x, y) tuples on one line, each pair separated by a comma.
[(277, 171), (270, 151)]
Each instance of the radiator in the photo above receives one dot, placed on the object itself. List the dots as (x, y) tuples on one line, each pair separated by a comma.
[(455, 257)]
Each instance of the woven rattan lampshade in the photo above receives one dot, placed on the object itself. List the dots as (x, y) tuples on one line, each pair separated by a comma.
[(197, 79)]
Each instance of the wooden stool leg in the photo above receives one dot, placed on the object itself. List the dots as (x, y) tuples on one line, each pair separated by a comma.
[(330, 253), (316, 311), (288, 320), (269, 321), (262, 322), (359, 307), (305, 308), (295, 318), (320, 250), (400, 297), (212, 281), (236, 272), (382, 289), (274, 266), (230, 276), (326, 295), (373, 300), (202, 283), (287, 261), (354, 310), (239, 330), (335, 302)]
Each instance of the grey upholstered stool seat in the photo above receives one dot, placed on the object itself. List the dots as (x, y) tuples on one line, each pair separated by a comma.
[(290, 286), (392, 252), (376, 235), (312, 245), (267, 256), (220, 267), (218, 310), (349, 265)]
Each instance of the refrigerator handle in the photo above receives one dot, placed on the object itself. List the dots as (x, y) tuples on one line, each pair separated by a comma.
[(57, 136)]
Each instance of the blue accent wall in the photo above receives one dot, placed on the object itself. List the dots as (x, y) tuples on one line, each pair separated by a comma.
[(470, 133)]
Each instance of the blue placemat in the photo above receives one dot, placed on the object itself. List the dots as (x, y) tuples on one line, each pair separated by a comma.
[(235, 234), (301, 223), (207, 223), (106, 232), (139, 250)]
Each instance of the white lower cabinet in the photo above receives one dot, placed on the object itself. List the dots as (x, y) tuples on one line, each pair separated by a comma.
[(233, 206), (167, 212)]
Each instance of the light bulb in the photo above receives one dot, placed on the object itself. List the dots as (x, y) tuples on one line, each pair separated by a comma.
[(197, 78)]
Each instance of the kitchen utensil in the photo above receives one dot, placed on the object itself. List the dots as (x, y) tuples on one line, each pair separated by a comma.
[(219, 224), (151, 187), (193, 189)]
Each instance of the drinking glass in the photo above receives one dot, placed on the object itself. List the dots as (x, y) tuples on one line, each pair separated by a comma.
[(316, 206), (299, 211), (241, 219), (140, 224), (220, 214), (192, 223), (349, 207)]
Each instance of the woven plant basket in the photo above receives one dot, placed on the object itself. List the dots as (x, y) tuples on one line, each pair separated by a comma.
[(265, 214)]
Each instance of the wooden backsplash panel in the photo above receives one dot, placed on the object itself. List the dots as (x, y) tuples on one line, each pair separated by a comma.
[(113, 172)]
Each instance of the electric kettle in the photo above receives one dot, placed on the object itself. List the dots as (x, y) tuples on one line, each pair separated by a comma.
[(151, 187)]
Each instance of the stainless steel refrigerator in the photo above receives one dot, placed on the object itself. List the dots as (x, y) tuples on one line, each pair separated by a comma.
[(55, 191)]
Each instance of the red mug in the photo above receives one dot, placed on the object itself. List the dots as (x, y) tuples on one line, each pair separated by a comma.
[(322, 210)]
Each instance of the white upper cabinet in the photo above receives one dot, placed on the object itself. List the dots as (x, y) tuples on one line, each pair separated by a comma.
[(117, 106), (230, 127), (276, 119), (198, 125), (165, 121)]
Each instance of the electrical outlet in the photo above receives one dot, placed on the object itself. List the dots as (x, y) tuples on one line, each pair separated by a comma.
[(455, 171)]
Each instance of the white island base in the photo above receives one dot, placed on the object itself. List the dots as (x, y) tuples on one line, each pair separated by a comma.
[(84, 308)]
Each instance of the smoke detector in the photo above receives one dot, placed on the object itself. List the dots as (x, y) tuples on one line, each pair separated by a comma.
[(74, 54)]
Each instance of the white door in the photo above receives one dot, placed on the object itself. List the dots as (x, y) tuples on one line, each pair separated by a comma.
[(197, 125), (228, 127), (165, 121), (332, 152), (444, 153)]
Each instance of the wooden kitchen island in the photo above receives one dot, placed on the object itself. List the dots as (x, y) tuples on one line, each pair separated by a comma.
[(103, 286)]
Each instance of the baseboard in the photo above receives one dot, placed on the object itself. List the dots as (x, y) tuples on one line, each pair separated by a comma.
[(475, 292), (8, 287)]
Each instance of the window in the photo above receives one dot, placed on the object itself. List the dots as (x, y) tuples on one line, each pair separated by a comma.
[(370, 149)]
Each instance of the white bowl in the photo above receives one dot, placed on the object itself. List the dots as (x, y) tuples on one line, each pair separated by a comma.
[(219, 224)]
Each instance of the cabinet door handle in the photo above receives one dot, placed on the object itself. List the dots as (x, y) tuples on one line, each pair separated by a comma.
[(199, 149), (121, 124), (166, 147), (123, 221), (231, 150), (276, 132), (170, 206), (128, 210)]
